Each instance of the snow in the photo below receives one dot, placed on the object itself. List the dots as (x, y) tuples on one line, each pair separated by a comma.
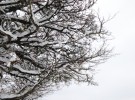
[(43, 43), (9, 58), (8, 3), (30, 36), (34, 72), (14, 57), (2, 96), (28, 31), (34, 19), (8, 33), (8, 96)]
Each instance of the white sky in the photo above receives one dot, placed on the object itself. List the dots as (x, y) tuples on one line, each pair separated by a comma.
[(116, 77)]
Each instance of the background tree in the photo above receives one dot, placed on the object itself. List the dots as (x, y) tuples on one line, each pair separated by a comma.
[(45, 43)]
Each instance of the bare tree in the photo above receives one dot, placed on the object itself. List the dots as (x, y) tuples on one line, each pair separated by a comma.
[(45, 43)]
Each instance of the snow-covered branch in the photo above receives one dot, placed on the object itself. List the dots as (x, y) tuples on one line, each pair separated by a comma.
[(44, 44), (8, 33)]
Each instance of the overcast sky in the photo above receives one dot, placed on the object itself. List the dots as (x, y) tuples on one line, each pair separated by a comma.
[(116, 77)]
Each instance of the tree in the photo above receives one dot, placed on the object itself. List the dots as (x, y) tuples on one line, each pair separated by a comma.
[(45, 43)]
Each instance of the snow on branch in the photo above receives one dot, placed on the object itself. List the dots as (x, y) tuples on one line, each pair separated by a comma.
[(45, 43), (8, 33)]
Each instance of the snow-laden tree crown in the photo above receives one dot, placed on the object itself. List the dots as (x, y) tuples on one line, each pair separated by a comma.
[(45, 43)]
